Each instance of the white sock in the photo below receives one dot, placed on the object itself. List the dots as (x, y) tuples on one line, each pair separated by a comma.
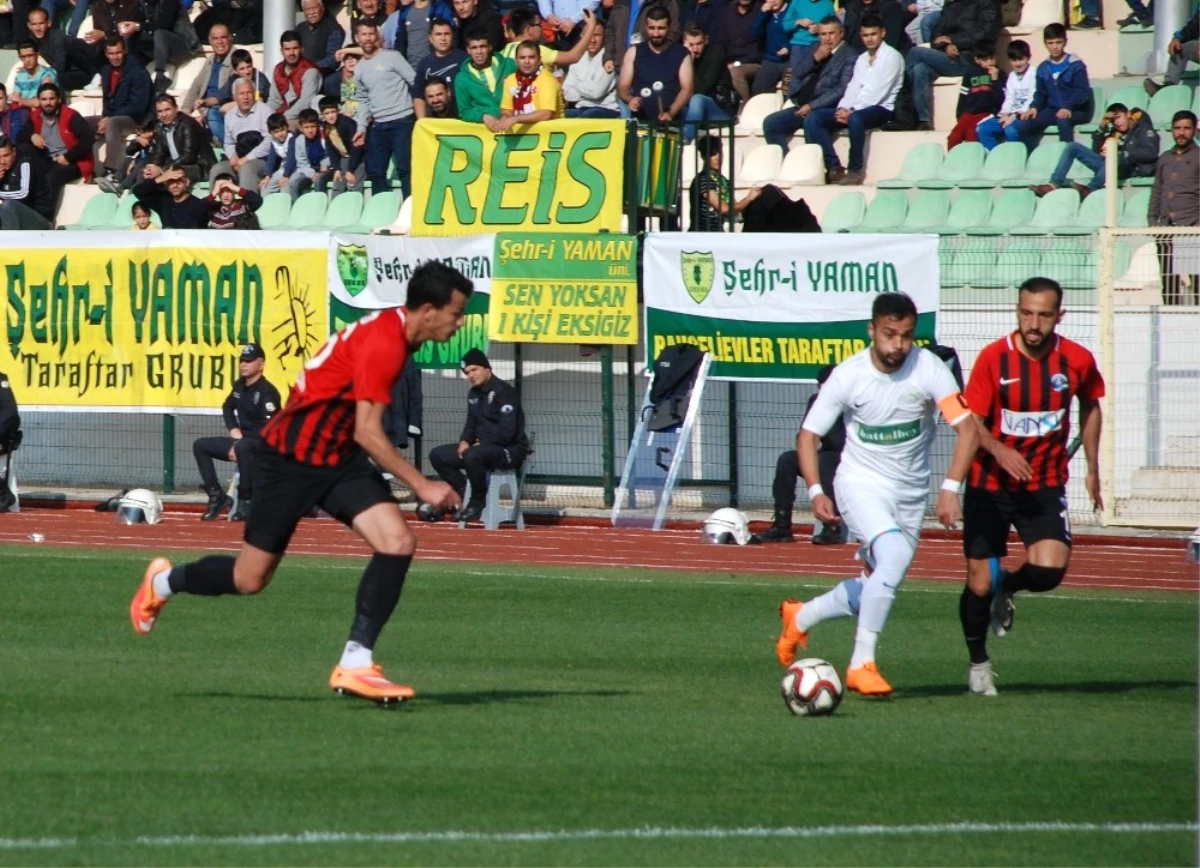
[(356, 657), (161, 584), (835, 603), (864, 646)]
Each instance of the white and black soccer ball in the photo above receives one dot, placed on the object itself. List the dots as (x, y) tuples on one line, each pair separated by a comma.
[(811, 687)]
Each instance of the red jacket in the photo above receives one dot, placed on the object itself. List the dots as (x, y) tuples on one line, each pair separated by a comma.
[(76, 135), (284, 82)]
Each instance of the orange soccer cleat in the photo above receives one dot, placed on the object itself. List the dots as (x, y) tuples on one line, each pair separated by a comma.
[(368, 682), (146, 605), (791, 635), (867, 681)]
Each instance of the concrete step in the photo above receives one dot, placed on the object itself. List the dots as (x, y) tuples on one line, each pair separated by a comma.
[(1167, 483), (1176, 513), (1184, 444)]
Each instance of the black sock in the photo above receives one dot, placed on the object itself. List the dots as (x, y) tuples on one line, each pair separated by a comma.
[(208, 577), (975, 613), (378, 594)]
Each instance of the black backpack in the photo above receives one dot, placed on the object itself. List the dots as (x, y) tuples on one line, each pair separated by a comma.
[(675, 371), (950, 356)]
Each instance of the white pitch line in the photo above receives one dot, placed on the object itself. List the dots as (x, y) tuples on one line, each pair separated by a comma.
[(642, 833)]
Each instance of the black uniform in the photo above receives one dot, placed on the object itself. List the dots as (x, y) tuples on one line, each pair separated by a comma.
[(10, 424), (404, 417), (247, 408), (787, 468), (496, 431)]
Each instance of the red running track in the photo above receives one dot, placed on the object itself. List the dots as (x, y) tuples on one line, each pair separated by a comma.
[(1095, 565)]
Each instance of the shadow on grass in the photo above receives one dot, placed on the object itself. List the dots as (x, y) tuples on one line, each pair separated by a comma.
[(1106, 687), (479, 697)]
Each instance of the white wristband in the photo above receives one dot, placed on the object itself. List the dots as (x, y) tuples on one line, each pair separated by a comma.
[(952, 485), (814, 490)]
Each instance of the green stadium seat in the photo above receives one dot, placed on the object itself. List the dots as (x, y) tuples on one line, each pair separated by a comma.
[(1014, 265), (973, 263), (1006, 160), (844, 212), (921, 163), (1011, 209), (929, 209), (1074, 269), (1164, 104), (1143, 181), (1134, 96), (1135, 213), (307, 211), (97, 213), (1090, 216), (274, 211), (1055, 209), (885, 212), (379, 213), (962, 162), (1039, 167), (971, 208), (345, 209), (122, 215)]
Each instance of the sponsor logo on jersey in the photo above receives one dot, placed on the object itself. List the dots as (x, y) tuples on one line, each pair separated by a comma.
[(1037, 423), (889, 435)]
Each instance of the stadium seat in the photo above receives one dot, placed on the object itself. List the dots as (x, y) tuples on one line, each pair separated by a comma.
[(929, 209), (1014, 265), (1099, 104), (97, 213), (921, 163), (1090, 216), (802, 165), (1011, 209), (403, 222), (1057, 208), (1164, 104), (756, 109), (970, 208), (1133, 96), (845, 212), (1039, 167), (761, 166), (962, 162), (274, 211), (345, 209), (122, 216), (1135, 214), (1006, 160), (379, 213), (885, 212), (1073, 268), (307, 211), (972, 264)]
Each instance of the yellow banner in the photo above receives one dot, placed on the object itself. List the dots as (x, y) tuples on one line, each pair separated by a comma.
[(146, 328), (552, 176), (564, 289)]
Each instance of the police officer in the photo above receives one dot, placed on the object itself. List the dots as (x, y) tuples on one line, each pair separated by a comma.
[(493, 438), (251, 403), (10, 424)]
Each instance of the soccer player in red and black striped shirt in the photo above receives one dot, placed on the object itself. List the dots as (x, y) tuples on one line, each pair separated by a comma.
[(318, 451), (1020, 391)]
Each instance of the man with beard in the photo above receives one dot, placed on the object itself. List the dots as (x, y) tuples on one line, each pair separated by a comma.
[(656, 75), (384, 93), (60, 144), (442, 63)]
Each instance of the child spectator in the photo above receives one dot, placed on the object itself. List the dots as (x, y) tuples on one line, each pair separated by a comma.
[(281, 145), (348, 86), (711, 194), (1131, 132), (1063, 96), (1018, 97), (141, 217), (138, 154), (979, 95), (306, 158), (231, 205), (344, 157)]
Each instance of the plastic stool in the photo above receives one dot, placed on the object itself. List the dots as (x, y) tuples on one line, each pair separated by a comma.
[(493, 513)]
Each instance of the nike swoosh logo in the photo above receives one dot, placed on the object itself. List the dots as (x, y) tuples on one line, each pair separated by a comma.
[(1004, 382)]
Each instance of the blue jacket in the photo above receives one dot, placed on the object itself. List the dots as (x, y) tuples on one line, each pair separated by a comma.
[(134, 96), (315, 148), (834, 80), (14, 120), (394, 32), (1071, 91), (768, 27)]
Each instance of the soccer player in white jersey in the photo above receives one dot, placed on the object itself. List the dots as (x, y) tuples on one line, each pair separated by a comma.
[(889, 395)]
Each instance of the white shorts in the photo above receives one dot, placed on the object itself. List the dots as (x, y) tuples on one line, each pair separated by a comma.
[(871, 510)]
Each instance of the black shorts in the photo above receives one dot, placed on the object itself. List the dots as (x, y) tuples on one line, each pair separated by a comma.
[(285, 491), (1037, 515)]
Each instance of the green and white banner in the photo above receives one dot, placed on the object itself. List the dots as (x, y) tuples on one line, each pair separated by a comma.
[(779, 307), (371, 272)]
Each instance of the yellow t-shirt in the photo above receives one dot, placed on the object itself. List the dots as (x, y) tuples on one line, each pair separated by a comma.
[(547, 94), (548, 54)]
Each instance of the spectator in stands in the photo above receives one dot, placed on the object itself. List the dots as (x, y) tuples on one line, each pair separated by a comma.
[(347, 90), (24, 195), (867, 103), (306, 160), (979, 95), (566, 18), (242, 62), (741, 44), (927, 14), (1175, 201), (531, 94), (1183, 47), (320, 38), (344, 156), (800, 22), (1140, 15), (74, 60), (127, 98), (525, 24), (1090, 12), (280, 139), (438, 101), (591, 84), (180, 141), (367, 12), (442, 64), (624, 26), (14, 22), (713, 99), (138, 154), (15, 120), (107, 18), (408, 29), (656, 75), (478, 85), (963, 25), (469, 15), (295, 82), (1130, 131), (1062, 96), (711, 194), (29, 76), (231, 206), (822, 74), (142, 217), (161, 32), (246, 142), (890, 12), (706, 13), (1018, 97), (60, 143), (203, 96), (170, 195), (385, 101), (242, 17), (768, 29)]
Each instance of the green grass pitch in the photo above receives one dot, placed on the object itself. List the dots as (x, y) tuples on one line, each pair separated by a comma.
[(579, 717)]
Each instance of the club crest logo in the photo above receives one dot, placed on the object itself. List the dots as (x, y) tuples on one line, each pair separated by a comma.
[(698, 271), (1059, 382), (352, 267)]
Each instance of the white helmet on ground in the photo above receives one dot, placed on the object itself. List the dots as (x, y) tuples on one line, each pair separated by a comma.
[(139, 505), (727, 525)]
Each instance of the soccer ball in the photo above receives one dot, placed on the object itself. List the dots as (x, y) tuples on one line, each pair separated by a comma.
[(811, 687)]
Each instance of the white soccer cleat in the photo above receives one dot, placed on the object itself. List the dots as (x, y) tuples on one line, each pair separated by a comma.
[(981, 681)]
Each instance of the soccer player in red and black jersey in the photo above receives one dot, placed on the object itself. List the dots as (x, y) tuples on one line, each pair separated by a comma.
[(1020, 391), (317, 451)]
